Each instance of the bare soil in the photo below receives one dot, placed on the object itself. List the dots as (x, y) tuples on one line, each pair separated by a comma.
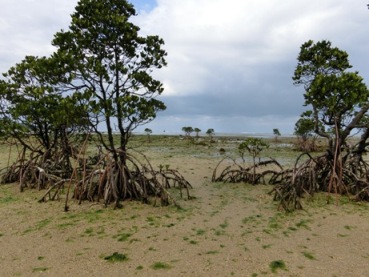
[(226, 230)]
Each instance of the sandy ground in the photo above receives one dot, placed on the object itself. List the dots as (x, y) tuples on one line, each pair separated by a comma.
[(227, 230)]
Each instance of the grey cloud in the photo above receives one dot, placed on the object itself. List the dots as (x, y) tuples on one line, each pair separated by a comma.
[(230, 62)]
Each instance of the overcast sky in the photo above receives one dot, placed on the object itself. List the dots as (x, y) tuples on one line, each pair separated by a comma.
[(230, 62)]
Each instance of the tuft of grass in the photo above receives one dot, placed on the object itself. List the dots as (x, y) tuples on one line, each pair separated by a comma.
[(309, 255), (140, 267), (276, 265), (116, 257), (124, 236), (63, 226), (41, 224), (266, 246), (347, 227), (200, 232), (7, 199), (224, 225), (303, 223), (40, 269), (219, 232), (160, 265), (89, 231)]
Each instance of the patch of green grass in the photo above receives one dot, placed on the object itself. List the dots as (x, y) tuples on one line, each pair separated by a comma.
[(303, 223), (43, 223), (116, 257), (266, 246), (40, 269), (140, 267), (212, 252), (309, 255), (93, 216), (39, 225), (7, 199), (273, 222), (40, 258), (160, 265), (150, 219), (124, 236), (100, 231), (276, 265), (89, 231), (219, 232), (200, 232), (252, 218), (224, 225), (66, 225), (193, 242)]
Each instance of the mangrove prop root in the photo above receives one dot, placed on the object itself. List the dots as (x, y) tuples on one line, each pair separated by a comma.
[(236, 173), (103, 180), (320, 175)]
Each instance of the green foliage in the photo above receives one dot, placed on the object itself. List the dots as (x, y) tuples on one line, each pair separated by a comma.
[(116, 257), (210, 133), (40, 269), (161, 265), (278, 264), (319, 59), (110, 65), (197, 131), (309, 255), (33, 103), (276, 132), (187, 130), (338, 98), (252, 145), (305, 126)]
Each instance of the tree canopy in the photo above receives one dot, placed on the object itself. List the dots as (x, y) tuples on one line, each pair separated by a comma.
[(33, 106), (338, 102), (338, 98), (111, 66), (99, 78)]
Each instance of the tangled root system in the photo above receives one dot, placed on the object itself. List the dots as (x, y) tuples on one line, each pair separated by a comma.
[(348, 176), (100, 178), (234, 172)]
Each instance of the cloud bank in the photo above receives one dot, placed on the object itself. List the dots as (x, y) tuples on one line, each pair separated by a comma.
[(230, 62)]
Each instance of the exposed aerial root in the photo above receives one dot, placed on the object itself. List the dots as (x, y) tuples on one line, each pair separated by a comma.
[(99, 179), (236, 173), (133, 180), (320, 175)]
